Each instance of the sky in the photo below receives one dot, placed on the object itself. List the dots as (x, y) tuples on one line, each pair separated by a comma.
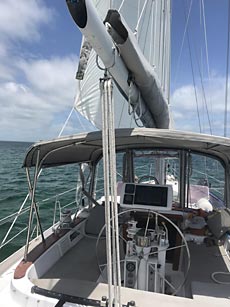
[(39, 48)]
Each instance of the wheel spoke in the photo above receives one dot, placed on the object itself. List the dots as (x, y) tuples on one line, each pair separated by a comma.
[(167, 249), (151, 214)]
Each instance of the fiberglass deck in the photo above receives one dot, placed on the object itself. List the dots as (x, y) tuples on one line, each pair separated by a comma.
[(80, 264)]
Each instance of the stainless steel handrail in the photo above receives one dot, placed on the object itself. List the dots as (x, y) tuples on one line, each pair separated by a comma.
[(14, 216)]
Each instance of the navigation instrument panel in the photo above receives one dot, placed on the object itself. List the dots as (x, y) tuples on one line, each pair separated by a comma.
[(146, 196)]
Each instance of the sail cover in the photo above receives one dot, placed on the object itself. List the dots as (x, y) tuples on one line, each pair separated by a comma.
[(149, 20)]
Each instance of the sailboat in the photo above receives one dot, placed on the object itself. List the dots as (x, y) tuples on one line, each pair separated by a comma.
[(156, 229)]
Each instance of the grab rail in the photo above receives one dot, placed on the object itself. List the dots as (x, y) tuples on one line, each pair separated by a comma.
[(22, 210)]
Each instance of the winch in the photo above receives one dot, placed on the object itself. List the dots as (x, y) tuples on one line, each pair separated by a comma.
[(66, 220)]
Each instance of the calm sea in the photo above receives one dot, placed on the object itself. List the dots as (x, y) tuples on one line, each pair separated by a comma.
[(14, 188)]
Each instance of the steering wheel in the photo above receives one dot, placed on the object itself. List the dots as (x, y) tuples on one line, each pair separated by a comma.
[(125, 216), (148, 178)]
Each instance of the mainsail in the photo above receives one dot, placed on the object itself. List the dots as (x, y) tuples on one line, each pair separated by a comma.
[(143, 100)]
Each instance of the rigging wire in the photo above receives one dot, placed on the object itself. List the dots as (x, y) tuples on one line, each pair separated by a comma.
[(168, 58), (206, 48), (193, 79), (192, 69), (139, 19), (200, 51), (71, 112), (203, 89), (227, 68), (204, 96), (182, 43), (201, 80), (202, 16), (121, 6), (205, 39), (66, 122)]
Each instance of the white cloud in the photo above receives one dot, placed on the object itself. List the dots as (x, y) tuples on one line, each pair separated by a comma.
[(183, 98), (36, 93), (6, 72), (55, 75), (22, 19), (3, 49), (28, 109), (184, 106), (19, 103)]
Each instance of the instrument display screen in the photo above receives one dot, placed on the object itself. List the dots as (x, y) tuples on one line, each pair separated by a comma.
[(151, 196), (147, 196)]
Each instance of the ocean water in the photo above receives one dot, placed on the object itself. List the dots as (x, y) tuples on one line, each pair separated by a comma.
[(14, 188)]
